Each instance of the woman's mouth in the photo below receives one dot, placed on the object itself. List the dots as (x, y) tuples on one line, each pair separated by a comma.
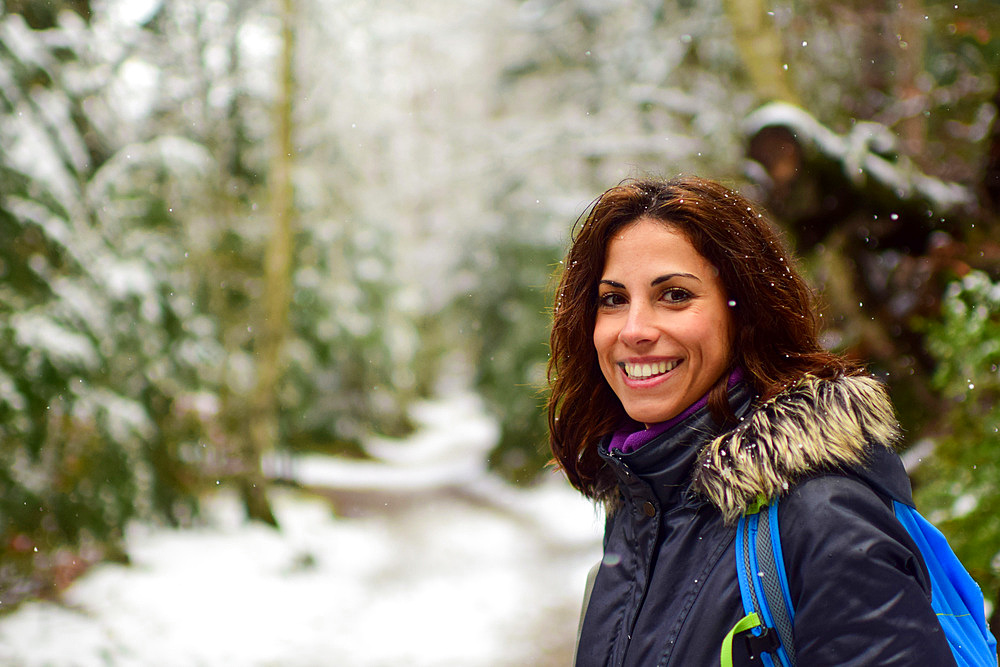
[(644, 371)]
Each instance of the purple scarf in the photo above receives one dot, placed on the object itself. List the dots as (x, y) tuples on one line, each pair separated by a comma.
[(628, 440)]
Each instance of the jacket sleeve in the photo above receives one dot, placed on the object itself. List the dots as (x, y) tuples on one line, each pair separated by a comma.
[(858, 584)]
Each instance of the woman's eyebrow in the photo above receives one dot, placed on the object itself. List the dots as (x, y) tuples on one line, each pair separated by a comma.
[(611, 283), (669, 276)]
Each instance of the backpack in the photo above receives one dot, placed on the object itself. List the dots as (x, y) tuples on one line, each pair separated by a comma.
[(767, 626)]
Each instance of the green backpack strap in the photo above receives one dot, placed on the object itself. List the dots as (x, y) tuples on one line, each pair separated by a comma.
[(748, 622)]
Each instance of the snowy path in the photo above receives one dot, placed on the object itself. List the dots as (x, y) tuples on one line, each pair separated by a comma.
[(462, 571)]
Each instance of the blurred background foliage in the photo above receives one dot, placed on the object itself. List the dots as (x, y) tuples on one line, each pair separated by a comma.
[(440, 152)]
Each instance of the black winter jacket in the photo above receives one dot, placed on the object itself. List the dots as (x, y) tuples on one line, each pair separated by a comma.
[(667, 593)]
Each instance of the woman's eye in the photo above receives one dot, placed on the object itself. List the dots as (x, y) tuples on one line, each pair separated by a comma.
[(676, 295), (610, 300)]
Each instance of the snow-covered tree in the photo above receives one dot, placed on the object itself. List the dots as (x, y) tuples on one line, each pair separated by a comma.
[(100, 350)]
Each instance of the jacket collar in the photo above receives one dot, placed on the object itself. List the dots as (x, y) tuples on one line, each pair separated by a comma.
[(664, 464), (812, 427)]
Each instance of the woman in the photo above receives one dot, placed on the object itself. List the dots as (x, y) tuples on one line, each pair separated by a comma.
[(687, 380)]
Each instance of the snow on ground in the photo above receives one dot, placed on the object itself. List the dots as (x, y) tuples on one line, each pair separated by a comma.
[(449, 567)]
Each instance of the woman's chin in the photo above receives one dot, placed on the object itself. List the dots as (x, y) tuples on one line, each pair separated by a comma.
[(654, 414)]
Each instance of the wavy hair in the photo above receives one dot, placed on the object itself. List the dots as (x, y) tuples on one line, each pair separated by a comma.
[(775, 321)]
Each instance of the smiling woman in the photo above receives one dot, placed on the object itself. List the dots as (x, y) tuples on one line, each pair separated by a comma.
[(663, 332), (688, 385)]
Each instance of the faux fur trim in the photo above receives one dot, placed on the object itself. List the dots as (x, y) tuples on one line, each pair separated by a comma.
[(814, 426)]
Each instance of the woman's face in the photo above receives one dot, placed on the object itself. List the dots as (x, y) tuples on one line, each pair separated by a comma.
[(664, 331)]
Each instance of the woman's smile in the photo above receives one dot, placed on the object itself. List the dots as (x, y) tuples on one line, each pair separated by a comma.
[(645, 370)]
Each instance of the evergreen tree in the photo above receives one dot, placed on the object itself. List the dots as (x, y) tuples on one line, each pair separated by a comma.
[(97, 354)]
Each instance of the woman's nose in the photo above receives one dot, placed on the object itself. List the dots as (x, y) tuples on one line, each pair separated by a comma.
[(638, 327)]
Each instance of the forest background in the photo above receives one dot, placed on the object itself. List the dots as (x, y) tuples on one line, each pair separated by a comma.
[(231, 232)]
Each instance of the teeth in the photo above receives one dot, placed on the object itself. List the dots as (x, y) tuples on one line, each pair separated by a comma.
[(643, 371)]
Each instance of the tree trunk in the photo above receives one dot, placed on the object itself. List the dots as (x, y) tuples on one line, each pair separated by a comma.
[(263, 427), (912, 125), (759, 44)]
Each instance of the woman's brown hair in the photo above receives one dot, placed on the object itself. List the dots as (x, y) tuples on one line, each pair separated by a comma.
[(775, 321)]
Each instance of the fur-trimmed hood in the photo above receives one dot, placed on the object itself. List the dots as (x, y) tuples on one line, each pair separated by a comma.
[(816, 425)]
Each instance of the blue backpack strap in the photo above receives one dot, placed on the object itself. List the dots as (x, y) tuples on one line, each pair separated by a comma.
[(760, 570), (772, 583), (955, 596), (751, 628)]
